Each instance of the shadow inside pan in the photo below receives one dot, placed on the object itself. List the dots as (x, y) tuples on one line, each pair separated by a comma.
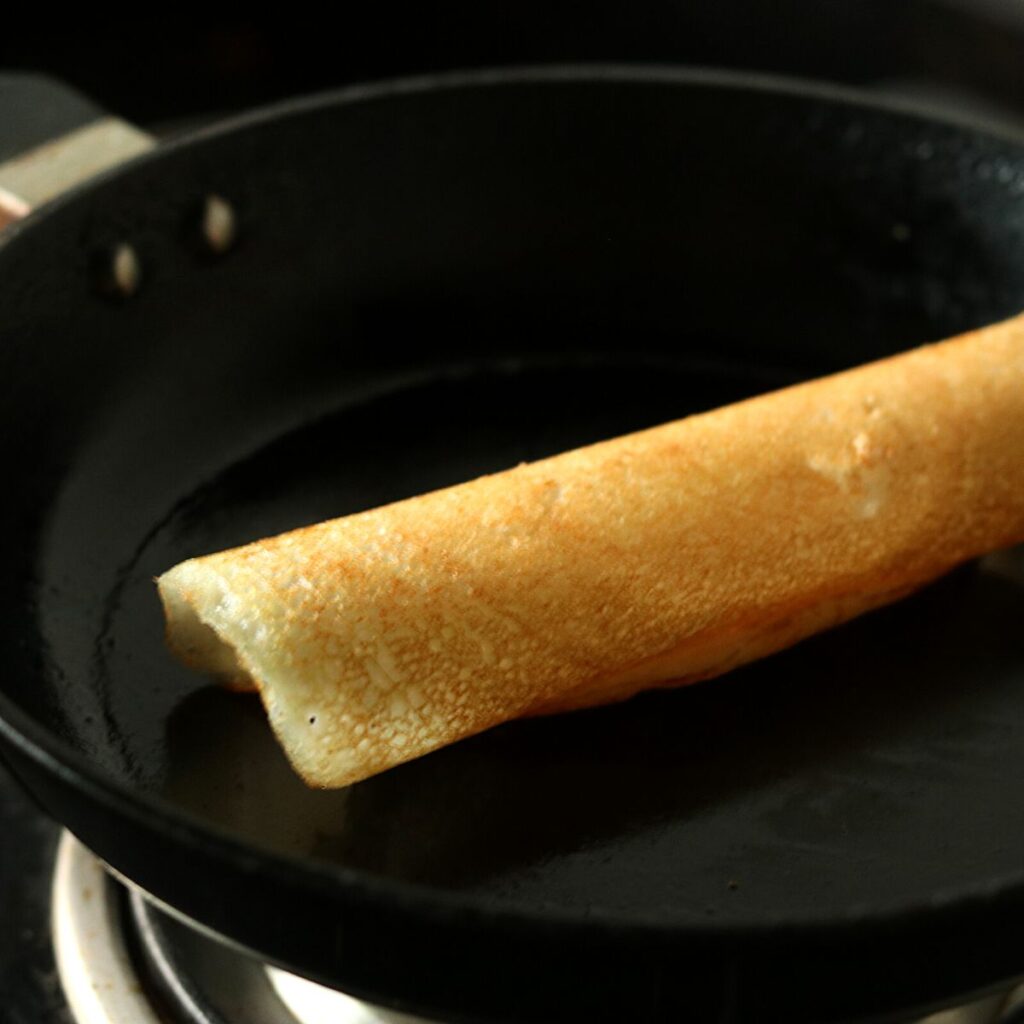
[(871, 764)]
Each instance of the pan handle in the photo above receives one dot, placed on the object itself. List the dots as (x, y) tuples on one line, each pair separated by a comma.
[(51, 138)]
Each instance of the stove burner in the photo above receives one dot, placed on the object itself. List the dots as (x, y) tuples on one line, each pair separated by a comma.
[(123, 961), (310, 1003), (96, 971)]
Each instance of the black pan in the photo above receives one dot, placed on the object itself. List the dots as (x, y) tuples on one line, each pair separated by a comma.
[(441, 277)]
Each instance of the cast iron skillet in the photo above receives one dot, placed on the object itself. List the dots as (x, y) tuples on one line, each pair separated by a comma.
[(441, 277)]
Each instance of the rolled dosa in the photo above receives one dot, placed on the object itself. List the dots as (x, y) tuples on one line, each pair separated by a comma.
[(658, 558)]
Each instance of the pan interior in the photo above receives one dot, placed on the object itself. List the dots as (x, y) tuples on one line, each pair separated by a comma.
[(825, 771)]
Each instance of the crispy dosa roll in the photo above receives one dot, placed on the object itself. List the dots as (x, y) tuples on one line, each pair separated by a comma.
[(658, 558)]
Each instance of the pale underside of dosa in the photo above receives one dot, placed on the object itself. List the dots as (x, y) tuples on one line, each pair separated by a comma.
[(659, 558)]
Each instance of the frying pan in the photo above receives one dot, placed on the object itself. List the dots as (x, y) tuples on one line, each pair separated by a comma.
[(434, 278)]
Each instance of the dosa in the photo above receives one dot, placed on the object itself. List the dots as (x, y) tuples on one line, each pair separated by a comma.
[(659, 558)]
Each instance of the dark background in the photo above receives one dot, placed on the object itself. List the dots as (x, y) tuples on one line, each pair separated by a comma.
[(166, 71)]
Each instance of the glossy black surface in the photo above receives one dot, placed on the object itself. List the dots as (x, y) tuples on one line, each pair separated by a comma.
[(434, 282), (800, 787)]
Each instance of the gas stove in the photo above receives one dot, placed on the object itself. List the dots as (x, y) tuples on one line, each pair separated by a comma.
[(78, 946)]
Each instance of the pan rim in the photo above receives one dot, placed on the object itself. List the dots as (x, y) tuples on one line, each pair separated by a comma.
[(157, 814), (590, 73)]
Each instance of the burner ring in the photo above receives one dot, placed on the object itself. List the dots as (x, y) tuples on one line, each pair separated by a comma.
[(95, 968), (122, 960)]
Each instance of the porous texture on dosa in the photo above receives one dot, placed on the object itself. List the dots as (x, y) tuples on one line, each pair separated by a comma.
[(661, 557)]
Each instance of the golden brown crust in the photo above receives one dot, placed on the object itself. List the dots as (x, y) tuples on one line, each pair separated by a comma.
[(678, 552)]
